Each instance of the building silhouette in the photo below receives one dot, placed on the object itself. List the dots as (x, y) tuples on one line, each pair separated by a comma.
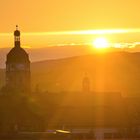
[(97, 115), (18, 67)]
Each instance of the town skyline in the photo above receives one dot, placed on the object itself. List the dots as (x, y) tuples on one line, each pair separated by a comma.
[(70, 69)]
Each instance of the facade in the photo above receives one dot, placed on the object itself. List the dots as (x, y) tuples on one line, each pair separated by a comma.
[(18, 67)]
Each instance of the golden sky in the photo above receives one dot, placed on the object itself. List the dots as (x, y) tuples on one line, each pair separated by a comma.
[(54, 15), (57, 15), (70, 15)]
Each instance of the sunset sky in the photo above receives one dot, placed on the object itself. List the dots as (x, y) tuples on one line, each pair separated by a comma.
[(63, 18)]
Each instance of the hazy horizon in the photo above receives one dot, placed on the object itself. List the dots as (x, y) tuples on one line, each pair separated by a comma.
[(123, 38)]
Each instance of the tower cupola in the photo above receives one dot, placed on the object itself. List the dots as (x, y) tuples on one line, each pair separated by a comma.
[(17, 37), (86, 84), (18, 66)]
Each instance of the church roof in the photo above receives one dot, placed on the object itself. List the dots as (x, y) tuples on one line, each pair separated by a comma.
[(17, 55)]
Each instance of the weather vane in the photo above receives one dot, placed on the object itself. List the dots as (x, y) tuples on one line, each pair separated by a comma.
[(16, 27)]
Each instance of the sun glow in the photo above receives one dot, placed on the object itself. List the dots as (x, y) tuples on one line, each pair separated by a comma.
[(101, 43)]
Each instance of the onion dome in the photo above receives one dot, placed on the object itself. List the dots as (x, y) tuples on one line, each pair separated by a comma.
[(17, 55)]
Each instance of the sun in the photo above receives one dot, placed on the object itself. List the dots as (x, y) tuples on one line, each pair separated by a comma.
[(101, 43)]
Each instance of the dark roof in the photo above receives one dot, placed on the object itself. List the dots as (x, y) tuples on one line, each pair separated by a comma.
[(17, 55)]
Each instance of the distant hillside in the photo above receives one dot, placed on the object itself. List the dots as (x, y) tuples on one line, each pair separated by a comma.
[(57, 52), (118, 71), (53, 52)]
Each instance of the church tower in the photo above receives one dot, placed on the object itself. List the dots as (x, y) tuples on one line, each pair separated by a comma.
[(86, 84), (18, 67)]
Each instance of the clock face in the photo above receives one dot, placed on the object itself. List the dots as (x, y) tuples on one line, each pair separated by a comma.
[(15, 67), (20, 66)]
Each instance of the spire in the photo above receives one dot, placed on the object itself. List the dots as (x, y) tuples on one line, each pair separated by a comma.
[(86, 84), (17, 37)]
